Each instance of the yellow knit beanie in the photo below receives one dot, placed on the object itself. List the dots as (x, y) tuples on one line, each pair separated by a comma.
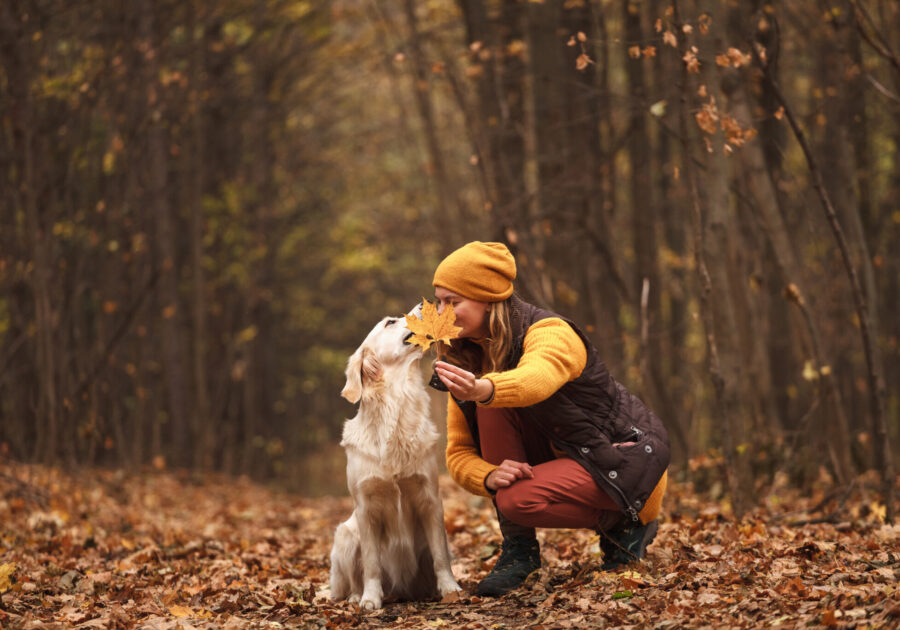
[(478, 271)]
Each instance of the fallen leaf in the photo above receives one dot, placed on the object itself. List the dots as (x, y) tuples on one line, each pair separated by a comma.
[(6, 571), (180, 611), (633, 579)]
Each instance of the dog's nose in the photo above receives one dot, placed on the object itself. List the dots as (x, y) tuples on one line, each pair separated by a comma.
[(406, 338)]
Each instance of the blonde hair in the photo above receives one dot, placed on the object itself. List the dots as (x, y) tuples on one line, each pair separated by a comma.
[(472, 357)]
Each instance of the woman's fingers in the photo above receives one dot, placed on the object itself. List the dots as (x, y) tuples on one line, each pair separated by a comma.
[(508, 472), (456, 388), (520, 468), (460, 382), (455, 376), (454, 371), (517, 470)]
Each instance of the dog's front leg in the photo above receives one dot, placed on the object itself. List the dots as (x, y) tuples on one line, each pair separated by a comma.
[(372, 593), (376, 497), (423, 490), (440, 551)]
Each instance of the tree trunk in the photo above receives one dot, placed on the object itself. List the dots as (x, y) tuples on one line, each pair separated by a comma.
[(644, 224), (451, 213), (713, 243), (166, 242), (25, 144), (496, 51), (203, 454), (44, 317), (667, 367), (548, 144), (613, 290)]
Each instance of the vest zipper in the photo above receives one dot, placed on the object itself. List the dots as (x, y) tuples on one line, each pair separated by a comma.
[(628, 510)]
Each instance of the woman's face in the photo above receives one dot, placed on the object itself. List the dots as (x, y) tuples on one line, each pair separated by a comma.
[(472, 315)]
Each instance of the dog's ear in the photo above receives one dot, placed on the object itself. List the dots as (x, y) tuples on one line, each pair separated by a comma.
[(363, 367), (371, 367), (353, 387)]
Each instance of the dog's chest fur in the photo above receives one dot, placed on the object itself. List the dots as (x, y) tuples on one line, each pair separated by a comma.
[(394, 432)]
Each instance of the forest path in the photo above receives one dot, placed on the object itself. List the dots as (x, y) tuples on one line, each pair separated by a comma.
[(103, 549)]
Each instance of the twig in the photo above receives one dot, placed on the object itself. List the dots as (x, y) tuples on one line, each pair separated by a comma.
[(88, 380), (645, 328), (609, 259), (839, 493), (881, 89), (882, 47)]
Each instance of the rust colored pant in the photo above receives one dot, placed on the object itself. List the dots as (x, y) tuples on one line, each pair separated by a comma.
[(562, 493)]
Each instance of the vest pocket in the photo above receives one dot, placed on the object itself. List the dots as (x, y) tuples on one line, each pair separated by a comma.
[(603, 455)]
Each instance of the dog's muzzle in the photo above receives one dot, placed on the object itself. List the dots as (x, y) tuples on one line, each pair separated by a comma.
[(407, 337)]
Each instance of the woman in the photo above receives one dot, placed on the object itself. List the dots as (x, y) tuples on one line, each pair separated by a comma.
[(535, 421)]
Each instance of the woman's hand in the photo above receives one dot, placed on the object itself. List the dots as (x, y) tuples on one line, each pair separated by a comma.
[(507, 474), (462, 384)]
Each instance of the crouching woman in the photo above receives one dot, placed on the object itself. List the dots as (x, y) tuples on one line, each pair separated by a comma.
[(535, 421)]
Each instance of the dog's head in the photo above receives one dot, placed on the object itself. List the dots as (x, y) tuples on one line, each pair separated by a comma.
[(383, 350)]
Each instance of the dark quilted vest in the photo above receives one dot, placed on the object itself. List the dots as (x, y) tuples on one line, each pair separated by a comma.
[(586, 416)]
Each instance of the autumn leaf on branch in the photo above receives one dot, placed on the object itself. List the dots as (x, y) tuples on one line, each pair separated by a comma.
[(432, 327), (583, 61)]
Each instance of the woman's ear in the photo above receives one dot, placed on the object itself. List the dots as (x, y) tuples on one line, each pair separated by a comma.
[(353, 387)]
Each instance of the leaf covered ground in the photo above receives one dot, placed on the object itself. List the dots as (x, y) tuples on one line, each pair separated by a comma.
[(101, 549)]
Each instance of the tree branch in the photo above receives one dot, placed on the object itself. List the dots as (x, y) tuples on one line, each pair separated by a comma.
[(130, 314), (882, 443), (881, 47)]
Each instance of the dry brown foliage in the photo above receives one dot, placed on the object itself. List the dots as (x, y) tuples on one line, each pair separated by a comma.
[(102, 549)]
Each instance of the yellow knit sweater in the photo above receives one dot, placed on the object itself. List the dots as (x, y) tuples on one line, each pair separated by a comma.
[(552, 355)]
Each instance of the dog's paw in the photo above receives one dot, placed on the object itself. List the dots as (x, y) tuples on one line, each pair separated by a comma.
[(354, 598), (447, 585), (370, 603)]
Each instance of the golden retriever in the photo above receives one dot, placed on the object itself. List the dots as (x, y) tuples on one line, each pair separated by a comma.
[(394, 545)]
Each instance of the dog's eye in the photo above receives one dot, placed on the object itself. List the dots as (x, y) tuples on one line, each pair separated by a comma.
[(390, 322)]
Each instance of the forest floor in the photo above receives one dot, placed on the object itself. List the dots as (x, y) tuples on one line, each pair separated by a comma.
[(104, 549)]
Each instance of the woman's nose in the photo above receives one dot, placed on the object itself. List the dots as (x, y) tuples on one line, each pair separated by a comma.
[(440, 308)]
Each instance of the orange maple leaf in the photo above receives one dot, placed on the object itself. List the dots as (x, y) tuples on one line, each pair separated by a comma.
[(432, 327)]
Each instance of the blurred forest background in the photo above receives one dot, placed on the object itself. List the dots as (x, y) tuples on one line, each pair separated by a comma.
[(205, 206)]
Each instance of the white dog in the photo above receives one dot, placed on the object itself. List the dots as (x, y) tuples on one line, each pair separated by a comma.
[(394, 544)]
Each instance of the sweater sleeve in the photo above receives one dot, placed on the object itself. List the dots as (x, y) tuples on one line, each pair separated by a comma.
[(464, 463), (552, 355)]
